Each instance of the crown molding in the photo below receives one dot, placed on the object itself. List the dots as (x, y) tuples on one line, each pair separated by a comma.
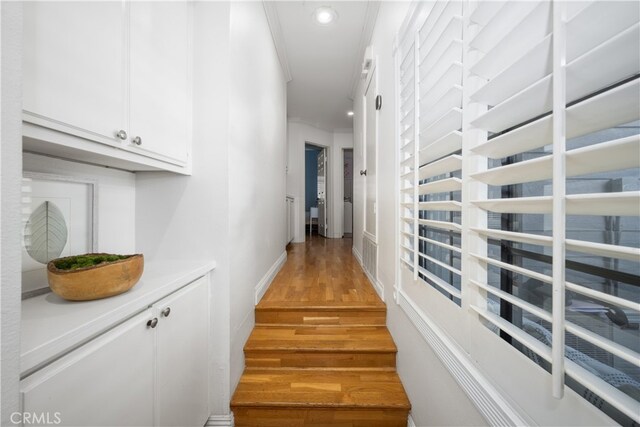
[(276, 34), (365, 38)]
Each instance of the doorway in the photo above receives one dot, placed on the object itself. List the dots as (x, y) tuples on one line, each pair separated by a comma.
[(347, 161), (316, 190)]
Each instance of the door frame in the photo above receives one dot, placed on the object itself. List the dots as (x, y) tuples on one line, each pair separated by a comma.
[(372, 77), (328, 193), (344, 150)]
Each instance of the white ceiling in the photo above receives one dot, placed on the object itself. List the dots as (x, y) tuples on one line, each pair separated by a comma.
[(323, 61)]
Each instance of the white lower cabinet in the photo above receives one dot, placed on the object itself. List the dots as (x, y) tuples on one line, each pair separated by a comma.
[(107, 382), (150, 370), (183, 348)]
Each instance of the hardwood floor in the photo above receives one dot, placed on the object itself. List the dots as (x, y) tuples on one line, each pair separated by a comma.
[(321, 273), (320, 354)]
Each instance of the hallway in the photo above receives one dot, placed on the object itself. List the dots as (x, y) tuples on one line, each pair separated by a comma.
[(483, 158), (320, 353)]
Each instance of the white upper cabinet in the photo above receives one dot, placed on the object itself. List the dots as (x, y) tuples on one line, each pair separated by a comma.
[(159, 64), (74, 67), (116, 73)]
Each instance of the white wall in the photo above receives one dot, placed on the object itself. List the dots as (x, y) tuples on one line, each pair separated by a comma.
[(298, 134), (188, 217), (232, 209), (436, 398), (256, 166), (10, 185)]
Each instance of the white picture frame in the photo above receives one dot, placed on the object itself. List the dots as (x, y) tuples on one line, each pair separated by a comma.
[(75, 199)]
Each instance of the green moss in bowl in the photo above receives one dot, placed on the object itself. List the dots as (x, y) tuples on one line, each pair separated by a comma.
[(93, 276), (89, 260)]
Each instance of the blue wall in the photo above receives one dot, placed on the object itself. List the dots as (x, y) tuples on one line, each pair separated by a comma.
[(311, 178)]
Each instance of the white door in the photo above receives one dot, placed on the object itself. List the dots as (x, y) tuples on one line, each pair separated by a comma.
[(72, 82), (183, 349), (107, 382), (370, 156), (159, 66), (322, 193)]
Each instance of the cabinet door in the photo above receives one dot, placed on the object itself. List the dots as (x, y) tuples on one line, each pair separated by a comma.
[(183, 356), (159, 79), (106, 382), (73, 67)]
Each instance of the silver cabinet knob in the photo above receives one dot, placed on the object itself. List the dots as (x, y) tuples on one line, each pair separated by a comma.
[(152, 323), (166, 312), (122, 134), (137, 140)]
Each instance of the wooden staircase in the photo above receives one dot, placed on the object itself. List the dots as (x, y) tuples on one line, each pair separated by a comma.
[(320, 365)]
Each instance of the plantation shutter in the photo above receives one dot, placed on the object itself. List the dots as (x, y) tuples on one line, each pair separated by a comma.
[(440, 122), (430, 78), (408, 154), (561, 87)]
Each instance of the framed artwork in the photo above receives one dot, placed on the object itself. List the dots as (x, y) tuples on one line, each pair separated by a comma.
[(59, 218)]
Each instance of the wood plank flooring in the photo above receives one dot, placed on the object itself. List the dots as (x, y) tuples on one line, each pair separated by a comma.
[(320, 354)]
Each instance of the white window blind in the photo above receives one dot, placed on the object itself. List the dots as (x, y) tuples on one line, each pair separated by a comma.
[(431, 172), (407, 89), (557, 240)]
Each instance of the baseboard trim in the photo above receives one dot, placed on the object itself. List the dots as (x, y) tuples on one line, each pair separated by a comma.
[(376, 284), (266, 280), (220, 421), (489, 401), (410, 422), (356, 254)]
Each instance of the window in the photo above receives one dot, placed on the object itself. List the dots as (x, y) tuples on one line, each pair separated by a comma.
[(432, 200), (542, 108)]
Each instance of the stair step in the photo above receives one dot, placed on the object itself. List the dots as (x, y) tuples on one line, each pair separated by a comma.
[(302, 388), (319, 417), (320, 346), (321, 315)]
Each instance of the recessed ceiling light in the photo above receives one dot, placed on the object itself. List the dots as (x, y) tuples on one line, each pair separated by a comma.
[(325, 15), (349, 113)]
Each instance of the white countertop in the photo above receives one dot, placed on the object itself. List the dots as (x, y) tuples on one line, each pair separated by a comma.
[(51, 325)]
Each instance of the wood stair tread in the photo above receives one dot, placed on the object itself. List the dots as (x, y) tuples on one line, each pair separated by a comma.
[(311, 388), (320, 306), (320, 353), (321, 339)]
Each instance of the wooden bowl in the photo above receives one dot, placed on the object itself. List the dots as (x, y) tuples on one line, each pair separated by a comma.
[(98, 281)]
